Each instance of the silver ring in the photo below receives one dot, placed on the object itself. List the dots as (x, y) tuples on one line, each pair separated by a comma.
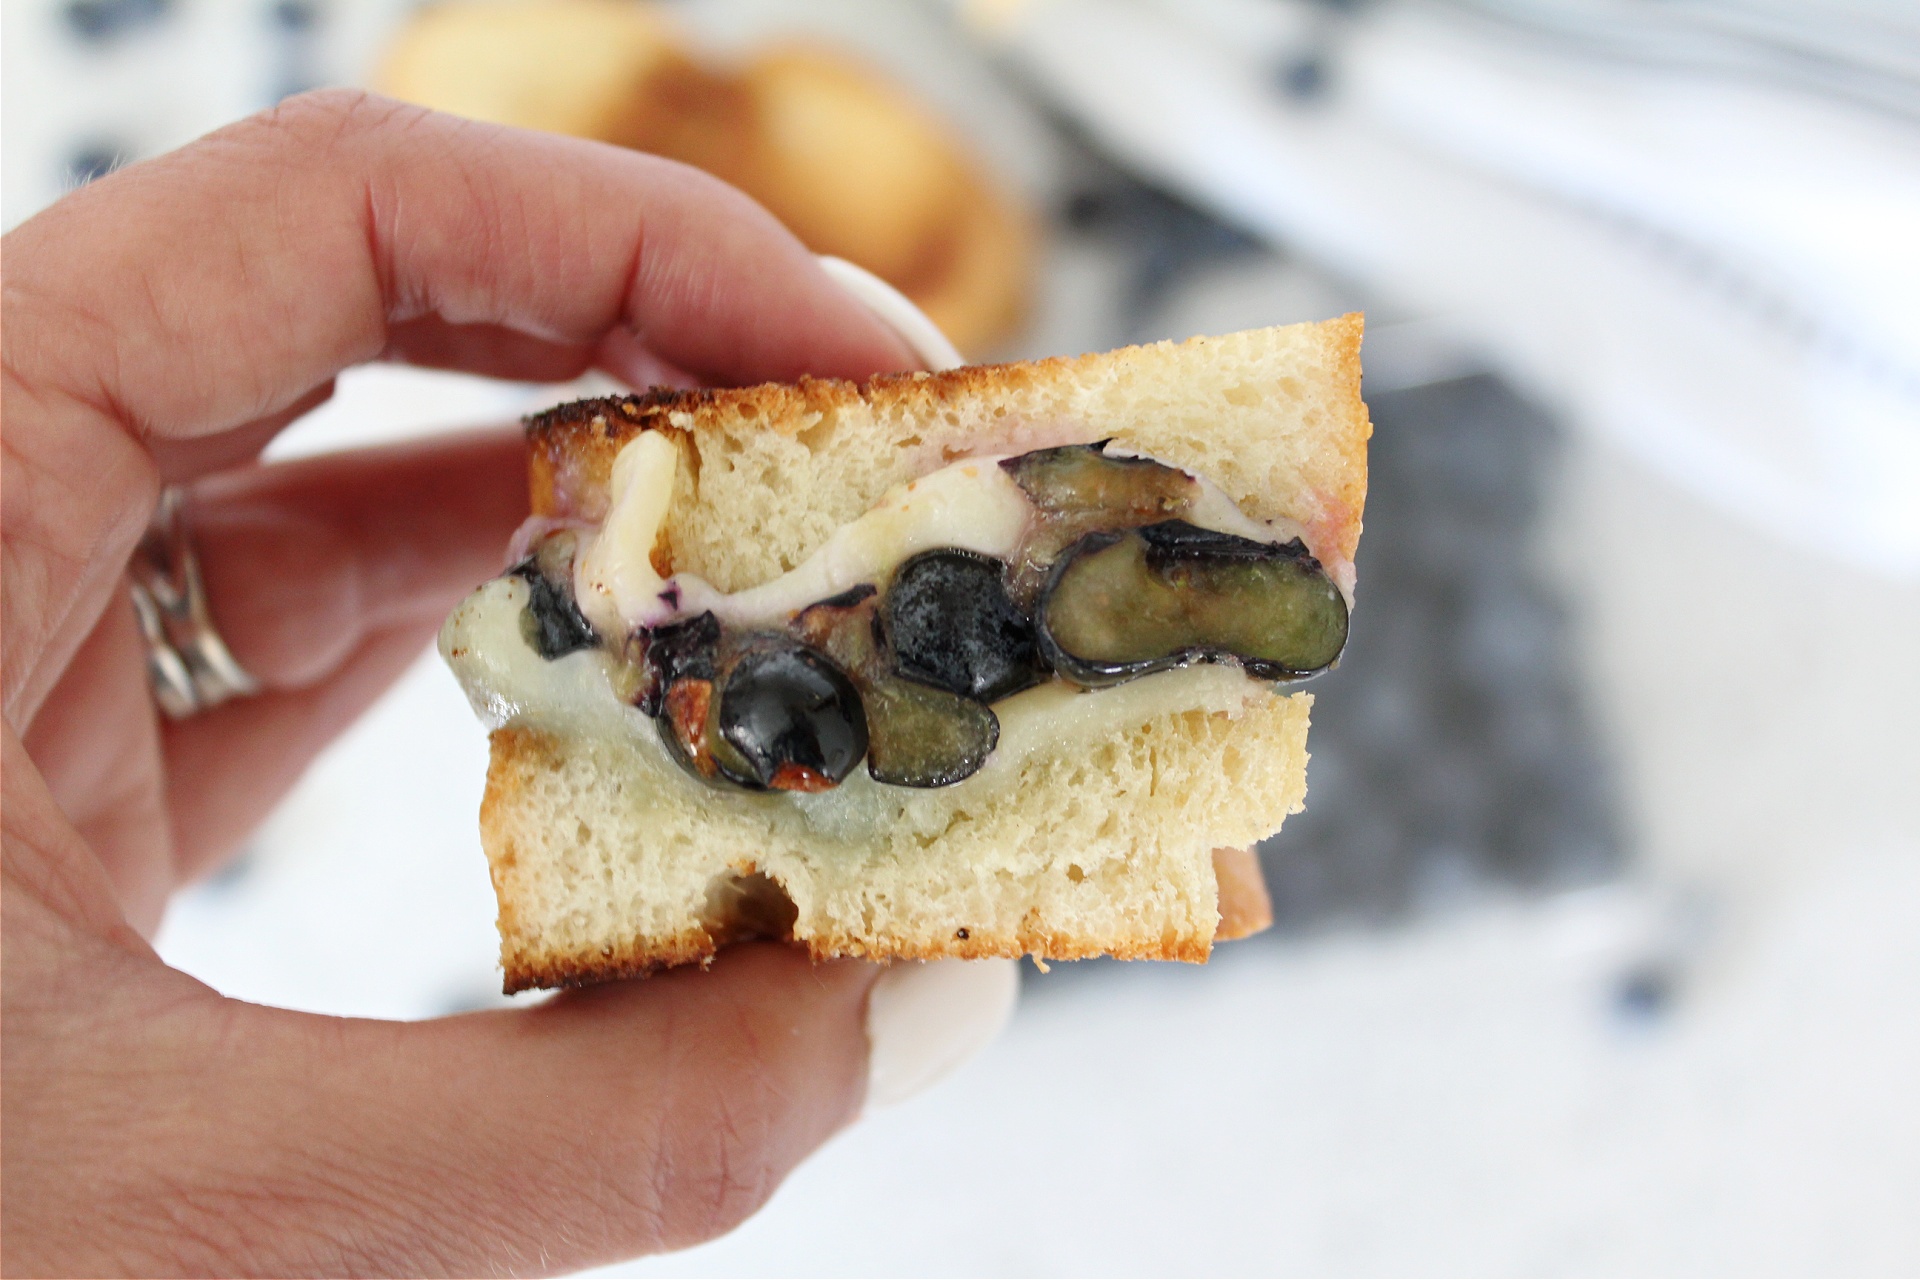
[(188, 664)]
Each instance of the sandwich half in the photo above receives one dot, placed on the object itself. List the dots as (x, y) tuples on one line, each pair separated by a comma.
[(999, 661)]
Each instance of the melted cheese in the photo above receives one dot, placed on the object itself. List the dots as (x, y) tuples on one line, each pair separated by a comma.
[(509, 683), (614, 579), (974, 505), (507, 680)]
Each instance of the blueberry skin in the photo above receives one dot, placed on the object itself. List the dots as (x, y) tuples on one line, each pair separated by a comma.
[(1187, 595), (684, 650), (1172, 540), (951, 625), (554, 624), (786, 705)]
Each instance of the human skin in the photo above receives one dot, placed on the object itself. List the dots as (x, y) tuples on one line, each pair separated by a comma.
[(158, 327)]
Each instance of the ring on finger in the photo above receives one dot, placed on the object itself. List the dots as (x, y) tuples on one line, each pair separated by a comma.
[(189, 665)]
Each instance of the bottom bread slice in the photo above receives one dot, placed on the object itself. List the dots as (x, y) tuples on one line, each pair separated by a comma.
[(608, 863)]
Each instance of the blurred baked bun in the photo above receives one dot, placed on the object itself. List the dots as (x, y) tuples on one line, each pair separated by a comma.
[(844, 157), (567, 66)]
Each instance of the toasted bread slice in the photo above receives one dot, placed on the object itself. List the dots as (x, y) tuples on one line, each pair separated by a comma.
[(1100, 839)]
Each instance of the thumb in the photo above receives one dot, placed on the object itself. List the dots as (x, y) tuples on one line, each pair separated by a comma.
[(629, 1118)]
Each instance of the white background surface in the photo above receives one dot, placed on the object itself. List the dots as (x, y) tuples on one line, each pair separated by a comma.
[(1441, 1101)]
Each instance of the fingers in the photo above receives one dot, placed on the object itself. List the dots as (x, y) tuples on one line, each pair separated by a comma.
[(216, 286), (303, 559), (224, 280), (160, 803), (626, 1119), (188, 459), (432, 343), (74, 500), (97, 745), (502, 353), (327, 578), (640, 1116)]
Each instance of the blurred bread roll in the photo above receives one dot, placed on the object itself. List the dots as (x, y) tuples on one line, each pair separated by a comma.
[(978, 288), (851, 164), (845, 158), (567, 66)]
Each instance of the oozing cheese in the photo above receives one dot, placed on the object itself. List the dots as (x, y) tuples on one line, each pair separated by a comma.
[(507, 680), (974, 505), (509, 683), (614, 580)]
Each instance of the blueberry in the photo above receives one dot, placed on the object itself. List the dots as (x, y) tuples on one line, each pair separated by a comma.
[(951, 625), (552, 623), (1121, 605), (917, 736), (794, 719), (684, 650)]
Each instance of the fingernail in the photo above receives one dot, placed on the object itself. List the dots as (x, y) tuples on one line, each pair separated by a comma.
[(925, 1018), (896, 311)]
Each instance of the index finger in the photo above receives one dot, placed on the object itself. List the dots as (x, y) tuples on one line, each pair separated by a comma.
[(215, 286), (221, 282)]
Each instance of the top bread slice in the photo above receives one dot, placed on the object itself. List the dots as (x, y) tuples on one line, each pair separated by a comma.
[(608, 863)]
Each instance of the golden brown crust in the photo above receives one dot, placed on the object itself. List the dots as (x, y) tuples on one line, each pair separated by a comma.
[(546, 970), (1245, 906), (571, 447), (551, 969), (1348, 504), (528, 969), (1027, 942)]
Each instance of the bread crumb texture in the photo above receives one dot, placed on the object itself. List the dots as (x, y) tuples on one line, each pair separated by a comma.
[(1103, 851), (605, 867)]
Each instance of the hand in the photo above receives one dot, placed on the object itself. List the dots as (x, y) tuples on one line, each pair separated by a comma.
[(159, 327)]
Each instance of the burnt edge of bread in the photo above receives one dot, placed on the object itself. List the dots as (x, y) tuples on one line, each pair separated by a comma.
[(557, 970), (584, 435), (639, 959), (617, 419)]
